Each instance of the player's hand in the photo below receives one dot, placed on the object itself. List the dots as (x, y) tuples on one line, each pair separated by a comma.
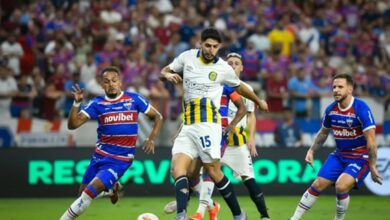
[(252, 148), (173, 77), (309, 158), (77, 93), (228, 129), (375, 175), (263, 106), (148, 146)]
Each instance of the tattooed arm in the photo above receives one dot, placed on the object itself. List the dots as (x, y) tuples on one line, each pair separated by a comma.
[(319, 140), (372, 154)]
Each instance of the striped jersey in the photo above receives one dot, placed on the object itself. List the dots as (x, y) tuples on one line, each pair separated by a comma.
[(117, 123), (202, 83), (239, 136), (348, 126), (228, 94)]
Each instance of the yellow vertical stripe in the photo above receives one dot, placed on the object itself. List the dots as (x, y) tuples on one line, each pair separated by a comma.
[(188, 113), (209, 111), (197, 110)]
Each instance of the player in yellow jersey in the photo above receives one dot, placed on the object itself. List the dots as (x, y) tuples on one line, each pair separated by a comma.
[(203, 77)]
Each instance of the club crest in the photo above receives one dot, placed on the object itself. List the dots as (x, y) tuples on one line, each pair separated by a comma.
[(213, 76), (349, 122)]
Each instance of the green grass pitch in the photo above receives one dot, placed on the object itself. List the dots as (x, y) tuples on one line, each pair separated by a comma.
[(280, 208)]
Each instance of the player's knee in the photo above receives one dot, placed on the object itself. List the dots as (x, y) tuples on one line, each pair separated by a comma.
[(341, 188), (177, 171)]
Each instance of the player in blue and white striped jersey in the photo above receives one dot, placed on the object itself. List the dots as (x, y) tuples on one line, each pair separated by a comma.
[(117, 116)]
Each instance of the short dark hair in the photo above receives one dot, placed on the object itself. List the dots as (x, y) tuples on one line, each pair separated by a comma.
[(110, 69), (211, 33), (346, 76)]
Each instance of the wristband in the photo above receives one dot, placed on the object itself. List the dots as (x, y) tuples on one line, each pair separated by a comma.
[(76, 104)]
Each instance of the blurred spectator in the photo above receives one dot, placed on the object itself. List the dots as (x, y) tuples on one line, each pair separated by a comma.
[(301, 90), (93, 87), (12, 51), (277, 92), (68, 91), (309, 36), (24, 96), (138, 86), (260, 39), (88, 69), (8, 88), (281, 37), (252, 62), (288, 133)]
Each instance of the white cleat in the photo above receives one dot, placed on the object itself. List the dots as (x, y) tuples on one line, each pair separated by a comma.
[(170, 207)]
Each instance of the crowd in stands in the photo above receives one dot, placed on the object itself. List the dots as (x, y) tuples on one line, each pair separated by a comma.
[(291, 49)]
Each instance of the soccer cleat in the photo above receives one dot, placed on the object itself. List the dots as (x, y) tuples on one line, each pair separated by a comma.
[(265, 218), (242, 216), (115, 193), (196, 216), (170, 207), (213, 213)]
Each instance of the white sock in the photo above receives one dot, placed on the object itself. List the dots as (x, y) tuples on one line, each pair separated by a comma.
[(205, 200), (77, 207), (342, 203), (307, 201)]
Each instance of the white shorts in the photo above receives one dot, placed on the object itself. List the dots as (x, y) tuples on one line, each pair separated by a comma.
[(199, 140), (239, 160)]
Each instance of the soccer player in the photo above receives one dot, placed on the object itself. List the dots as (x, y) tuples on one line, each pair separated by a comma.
[(204, 75), (353, 126), (239, 150), (117, 116)]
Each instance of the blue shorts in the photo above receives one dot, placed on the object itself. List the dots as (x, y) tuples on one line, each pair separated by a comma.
[(335, 165), (107, 169)]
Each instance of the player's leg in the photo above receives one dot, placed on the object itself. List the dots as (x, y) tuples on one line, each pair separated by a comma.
[(83, 202), (183, 153), (328, 174), (179, 165), (355, 172), (205, 201), (208, 139), (239, 160)]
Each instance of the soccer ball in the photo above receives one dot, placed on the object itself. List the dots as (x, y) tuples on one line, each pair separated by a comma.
[(147, 216)]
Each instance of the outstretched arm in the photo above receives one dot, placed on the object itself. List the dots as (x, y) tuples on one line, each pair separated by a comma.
[(153, 114), (319, 140), (372, 154), (251, 117), (76, 118), (168, 74), (243, 90), (241, 110)]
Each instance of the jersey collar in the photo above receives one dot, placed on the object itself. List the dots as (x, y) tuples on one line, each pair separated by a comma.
[(348, 107), (202, 61), (115, 99)]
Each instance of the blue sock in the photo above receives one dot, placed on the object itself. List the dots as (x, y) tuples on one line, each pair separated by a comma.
[(226, 190), (257, 196), (182, 192)]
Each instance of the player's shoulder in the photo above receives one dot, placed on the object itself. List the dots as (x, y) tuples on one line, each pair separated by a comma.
[(190, 54), (360, 105), (330, 107)]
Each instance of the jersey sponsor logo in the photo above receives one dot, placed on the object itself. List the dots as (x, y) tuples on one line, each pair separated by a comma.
[(383, 167), (121, 117), (345, 133), (213, 76), (196, 88)]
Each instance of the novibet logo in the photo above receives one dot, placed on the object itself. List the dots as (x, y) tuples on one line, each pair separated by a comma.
[(383, 166)]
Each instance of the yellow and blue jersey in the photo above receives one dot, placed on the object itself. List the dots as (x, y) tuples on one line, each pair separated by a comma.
[(201, 110)]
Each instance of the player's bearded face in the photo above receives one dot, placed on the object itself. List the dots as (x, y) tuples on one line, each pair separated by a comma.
[(341, 90), (111, 84), (210, 49)]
